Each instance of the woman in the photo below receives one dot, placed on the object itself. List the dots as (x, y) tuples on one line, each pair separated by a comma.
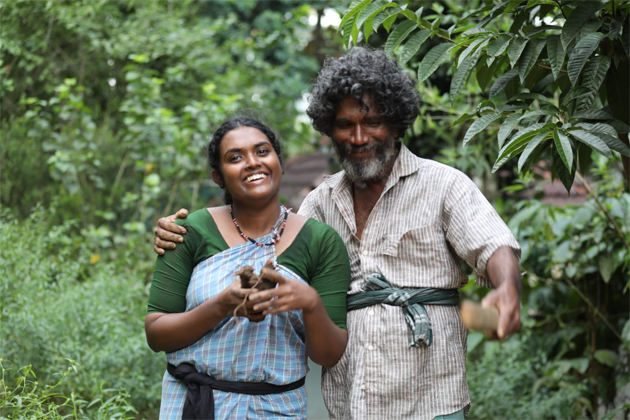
[(259, 357)]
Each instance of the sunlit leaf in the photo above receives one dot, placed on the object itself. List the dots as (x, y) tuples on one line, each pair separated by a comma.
[(355, 8), (399, 34), (479, 125), (433, 59), (605, 263), (577, 19), (477, 43), (518, 142), (382, 16), (581, 53), (371, 11)]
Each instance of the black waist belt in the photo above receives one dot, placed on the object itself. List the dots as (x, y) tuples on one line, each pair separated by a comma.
[(199, 402)]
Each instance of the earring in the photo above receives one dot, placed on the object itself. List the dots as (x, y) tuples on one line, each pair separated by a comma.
[(221, 186)]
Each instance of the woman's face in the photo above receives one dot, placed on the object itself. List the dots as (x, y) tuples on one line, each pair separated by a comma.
[(250, 166)]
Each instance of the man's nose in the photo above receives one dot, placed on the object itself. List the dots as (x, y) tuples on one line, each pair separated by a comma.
[(359, 136)]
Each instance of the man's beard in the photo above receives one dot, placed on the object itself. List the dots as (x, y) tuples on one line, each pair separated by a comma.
[(366, 169)]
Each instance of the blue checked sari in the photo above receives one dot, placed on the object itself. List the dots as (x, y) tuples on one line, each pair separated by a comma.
[(271, 351)]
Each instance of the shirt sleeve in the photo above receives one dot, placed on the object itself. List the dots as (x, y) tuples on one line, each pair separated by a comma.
[(473, 227), (308, 208), (331, 274), (172, 275)]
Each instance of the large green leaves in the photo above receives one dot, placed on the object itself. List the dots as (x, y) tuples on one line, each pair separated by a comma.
[(577, 19), (581, 53), (502, 82), (592, 141), (516, 49), (399, 34), (462, 74), (564, 148), (412, 46), (434, 58), (480, 124), (555, 53), (592, 78), (519, 141), (529, 57)]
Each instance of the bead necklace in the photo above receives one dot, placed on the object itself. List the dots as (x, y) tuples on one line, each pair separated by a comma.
[(276, 234)]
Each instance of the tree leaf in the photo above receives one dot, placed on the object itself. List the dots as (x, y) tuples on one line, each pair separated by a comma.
[(596, 127), (592, 114), (479, 125), (483, 76), (412, 46), (516, 49), (507, 127), (471, 49), (594, 73), (614, 143), (530, 95), (346, 31), (518, 142), (371, 11), (555, 52), (529, 57), (380, 17), (387, 23), (591, 140), (606, 357), (565, 175), (355, 8), (399, 34), (462, 74), (433, 59), (501, 82), (625, 334), (581, 53), (577, 19), (563, 146), (498, 46), (462, 118), (605, 263), (531, 146)]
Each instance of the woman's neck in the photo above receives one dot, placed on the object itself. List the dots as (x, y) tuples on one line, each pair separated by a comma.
[(255, 221)]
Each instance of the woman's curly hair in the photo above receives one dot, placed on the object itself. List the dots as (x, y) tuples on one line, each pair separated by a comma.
[(359, 72)]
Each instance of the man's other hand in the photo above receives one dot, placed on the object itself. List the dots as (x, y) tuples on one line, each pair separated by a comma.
[(167, 233), (506, 299)]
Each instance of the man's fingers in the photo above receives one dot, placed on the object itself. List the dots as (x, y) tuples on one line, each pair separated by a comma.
[(157, 250), (168, 224), (160, 244), (181, 214), (165, 235)]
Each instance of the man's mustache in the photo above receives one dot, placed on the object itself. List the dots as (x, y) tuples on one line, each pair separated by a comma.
[(349, 149)]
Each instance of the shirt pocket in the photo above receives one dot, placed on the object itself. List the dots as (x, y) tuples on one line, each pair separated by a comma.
[(423, 251)]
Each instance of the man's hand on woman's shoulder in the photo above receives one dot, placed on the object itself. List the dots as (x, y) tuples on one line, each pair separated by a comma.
[(167, 233)]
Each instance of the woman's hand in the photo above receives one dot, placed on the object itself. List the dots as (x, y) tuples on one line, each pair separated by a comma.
[(289, 295), (234, 298)]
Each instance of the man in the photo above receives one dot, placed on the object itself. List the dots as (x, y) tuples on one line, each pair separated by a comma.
[(407, 223)]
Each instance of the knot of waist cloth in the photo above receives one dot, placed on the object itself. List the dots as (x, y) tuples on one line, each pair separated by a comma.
[(377, 290)]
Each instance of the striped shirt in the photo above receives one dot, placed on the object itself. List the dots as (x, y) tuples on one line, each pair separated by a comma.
[(428, 219)]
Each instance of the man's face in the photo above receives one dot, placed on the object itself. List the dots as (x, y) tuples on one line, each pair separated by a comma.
[(363, 140)]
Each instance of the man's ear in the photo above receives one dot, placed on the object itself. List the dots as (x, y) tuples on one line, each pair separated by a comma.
[(218, 179)]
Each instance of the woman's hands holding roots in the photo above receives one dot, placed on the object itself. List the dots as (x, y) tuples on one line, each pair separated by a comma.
[(289, 295)]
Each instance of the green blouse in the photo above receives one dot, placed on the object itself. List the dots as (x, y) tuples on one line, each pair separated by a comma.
[(317, 255)]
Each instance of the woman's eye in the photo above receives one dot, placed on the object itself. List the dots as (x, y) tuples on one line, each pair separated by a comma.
[(234, 158), (263, 151)]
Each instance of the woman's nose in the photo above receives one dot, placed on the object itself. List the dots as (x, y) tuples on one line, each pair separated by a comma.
[(252, 161)]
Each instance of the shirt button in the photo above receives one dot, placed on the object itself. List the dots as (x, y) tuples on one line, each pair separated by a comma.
[(362, 386), (370, 312), (370, 347), (365, 252)]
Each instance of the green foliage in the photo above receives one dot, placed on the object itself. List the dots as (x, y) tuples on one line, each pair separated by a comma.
[(26, 398), (58, 302), (569, 57)]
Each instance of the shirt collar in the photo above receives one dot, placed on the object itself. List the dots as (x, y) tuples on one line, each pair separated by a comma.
[(406, 164)]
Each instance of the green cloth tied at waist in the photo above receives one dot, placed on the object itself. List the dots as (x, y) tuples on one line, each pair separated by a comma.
[(377, 290)]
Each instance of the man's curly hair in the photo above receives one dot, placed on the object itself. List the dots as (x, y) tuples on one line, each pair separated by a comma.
[(359, 72)]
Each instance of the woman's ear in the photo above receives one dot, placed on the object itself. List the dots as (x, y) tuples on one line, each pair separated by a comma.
[(218, 179)]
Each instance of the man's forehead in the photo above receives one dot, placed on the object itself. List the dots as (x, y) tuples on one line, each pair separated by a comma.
[(350, 104)]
